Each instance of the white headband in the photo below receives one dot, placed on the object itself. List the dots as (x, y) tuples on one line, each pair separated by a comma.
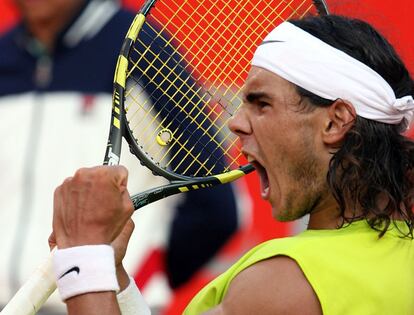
[(310, 63)]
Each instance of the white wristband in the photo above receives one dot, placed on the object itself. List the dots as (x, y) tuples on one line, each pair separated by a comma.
[(131, 302), (83, 269)]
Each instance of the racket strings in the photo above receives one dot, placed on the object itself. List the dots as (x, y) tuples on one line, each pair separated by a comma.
[(195, 9), (216, 35), (188, 114), (247, 12), (183, 146), (222, 27), (207, 92), (196, 53)]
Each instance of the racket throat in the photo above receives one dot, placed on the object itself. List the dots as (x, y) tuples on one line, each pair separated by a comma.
[(151, 195)]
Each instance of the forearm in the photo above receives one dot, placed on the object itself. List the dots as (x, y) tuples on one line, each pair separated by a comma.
[(99, 303)]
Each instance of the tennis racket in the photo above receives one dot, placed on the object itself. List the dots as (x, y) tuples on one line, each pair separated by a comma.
[(176, 85)]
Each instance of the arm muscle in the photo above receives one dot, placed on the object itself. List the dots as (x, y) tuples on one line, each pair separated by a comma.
[(273, 286)]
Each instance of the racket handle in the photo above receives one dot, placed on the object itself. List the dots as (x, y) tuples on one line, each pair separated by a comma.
[(34, 293)]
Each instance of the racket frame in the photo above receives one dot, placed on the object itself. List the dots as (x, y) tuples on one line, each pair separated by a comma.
[(117, 127), (321, 7)]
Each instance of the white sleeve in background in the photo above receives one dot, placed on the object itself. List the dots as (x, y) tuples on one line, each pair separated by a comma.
[(131, 302)]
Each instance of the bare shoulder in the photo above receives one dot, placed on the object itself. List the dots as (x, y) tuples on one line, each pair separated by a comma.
[(273, 286)]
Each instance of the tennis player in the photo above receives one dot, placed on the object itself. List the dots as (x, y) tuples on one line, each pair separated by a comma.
[(325, 106)]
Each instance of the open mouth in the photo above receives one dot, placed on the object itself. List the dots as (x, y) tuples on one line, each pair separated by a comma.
[(264, 179)]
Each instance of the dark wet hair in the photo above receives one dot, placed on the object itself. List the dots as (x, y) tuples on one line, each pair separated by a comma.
[(374, 160)]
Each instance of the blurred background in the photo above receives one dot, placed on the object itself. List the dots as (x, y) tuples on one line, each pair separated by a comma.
[(159, 229)]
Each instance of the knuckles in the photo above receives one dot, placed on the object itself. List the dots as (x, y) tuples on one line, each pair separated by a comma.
[(106, 183), (100, 175)]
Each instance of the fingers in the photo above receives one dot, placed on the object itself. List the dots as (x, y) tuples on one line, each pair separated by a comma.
[(92, 207)]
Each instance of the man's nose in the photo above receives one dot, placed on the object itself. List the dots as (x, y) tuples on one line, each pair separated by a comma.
[(239, 124)]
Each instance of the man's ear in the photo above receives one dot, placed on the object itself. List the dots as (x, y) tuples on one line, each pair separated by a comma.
[(340, 118)]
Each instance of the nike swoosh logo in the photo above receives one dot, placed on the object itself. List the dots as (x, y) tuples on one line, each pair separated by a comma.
[(73, 269), (271, 41)]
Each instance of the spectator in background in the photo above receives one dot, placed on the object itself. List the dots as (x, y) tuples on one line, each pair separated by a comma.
[(56, 71)]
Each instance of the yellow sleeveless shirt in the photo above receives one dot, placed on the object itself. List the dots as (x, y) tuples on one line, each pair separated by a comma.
[(351, 270)]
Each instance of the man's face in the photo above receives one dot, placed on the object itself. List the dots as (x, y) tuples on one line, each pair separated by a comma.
[(283, 142), (38, 11)]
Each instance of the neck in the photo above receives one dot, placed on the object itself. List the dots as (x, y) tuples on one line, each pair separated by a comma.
[(326, 216), (45, 33), (46, 30)]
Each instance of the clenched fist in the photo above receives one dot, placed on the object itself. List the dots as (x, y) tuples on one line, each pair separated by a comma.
[(92, 207)]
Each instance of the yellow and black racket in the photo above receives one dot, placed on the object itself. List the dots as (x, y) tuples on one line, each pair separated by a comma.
[(177, 83)]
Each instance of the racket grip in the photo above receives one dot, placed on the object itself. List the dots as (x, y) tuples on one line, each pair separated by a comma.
[(34, 293)]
